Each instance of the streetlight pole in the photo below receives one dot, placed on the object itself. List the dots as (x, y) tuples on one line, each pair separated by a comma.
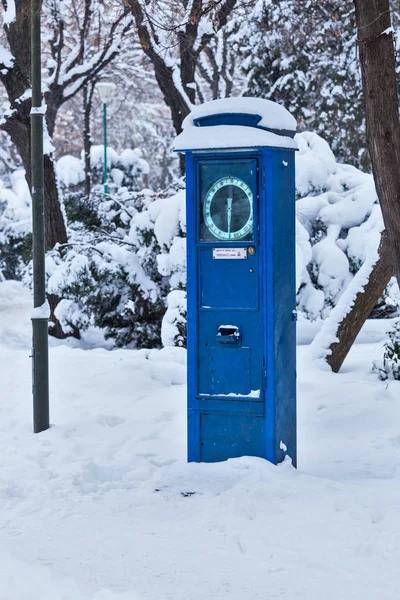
[(106, 90), (40, 317), (105, 171)]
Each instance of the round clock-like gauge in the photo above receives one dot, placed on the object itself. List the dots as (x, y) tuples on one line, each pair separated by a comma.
[(228, 209)]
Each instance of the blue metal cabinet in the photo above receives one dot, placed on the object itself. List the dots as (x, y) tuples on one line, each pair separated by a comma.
[(241, 299)]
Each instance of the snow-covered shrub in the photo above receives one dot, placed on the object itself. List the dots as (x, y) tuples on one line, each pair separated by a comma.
[(109, 273), (303, 55), (15, 226), (70, 171), (128, 169), (389, 367), (338, 222), (173, 332), (126, 251)]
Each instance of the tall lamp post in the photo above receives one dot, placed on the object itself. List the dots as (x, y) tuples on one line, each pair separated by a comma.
[(106, 91), (40, 315)]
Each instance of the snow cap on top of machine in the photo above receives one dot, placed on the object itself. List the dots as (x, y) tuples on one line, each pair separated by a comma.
[(237, 123)]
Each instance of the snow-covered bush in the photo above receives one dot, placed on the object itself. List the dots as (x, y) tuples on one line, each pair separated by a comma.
[(125, 261), (15, 225), (389, 366), (116, 274), (128, 169), (70, 171), (173, 331), (303, 55), (338, 221)]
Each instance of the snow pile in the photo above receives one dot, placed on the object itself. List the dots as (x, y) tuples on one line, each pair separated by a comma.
[(97, 157), (104, 500), (23, 581), (167, 217), (15, 302), (126, 169), (9, 13), (130, 159), (229, 136), (6, 58)]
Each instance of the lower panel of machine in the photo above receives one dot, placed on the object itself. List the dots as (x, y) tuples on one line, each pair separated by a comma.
[(224, 436)]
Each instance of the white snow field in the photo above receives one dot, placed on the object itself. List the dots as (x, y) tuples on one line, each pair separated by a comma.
[(104, 506)]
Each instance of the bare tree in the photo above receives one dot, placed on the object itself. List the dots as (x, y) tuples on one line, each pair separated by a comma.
[(216, 66), (88, 92), (173, 34), (15, 76), (74, 56), (378, 68)]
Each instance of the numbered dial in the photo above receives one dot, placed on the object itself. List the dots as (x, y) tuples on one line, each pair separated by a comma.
[(228, 209)]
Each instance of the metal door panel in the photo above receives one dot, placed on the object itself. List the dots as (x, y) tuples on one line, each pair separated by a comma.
[(236, 379), (229, 296), (228, 283), (226, 436), (224, 369)]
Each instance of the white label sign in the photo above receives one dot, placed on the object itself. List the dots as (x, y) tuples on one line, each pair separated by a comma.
[(229, 253)]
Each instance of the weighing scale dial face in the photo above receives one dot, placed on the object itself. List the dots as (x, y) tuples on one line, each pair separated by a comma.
[(228, 210)]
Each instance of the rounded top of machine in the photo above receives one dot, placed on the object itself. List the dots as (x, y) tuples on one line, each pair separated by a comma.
[(237, 123)]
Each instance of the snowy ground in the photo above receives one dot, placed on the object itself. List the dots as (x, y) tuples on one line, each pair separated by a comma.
[(105, 499)]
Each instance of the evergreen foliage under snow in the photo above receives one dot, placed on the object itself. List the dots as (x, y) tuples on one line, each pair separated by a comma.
[(389, 366), (124, 269)]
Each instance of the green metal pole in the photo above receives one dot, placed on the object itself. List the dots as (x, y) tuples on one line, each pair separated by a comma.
[(40, 352), (105, 177)]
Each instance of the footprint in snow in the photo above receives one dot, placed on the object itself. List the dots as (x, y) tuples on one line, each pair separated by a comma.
[(110, 420)]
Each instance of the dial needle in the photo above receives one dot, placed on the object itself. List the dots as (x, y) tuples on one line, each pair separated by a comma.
[(229, 214)]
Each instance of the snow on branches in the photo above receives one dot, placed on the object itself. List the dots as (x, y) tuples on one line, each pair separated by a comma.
[(173, 35)]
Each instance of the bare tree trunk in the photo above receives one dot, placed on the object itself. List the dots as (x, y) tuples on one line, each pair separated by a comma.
[(179, 97), (18, 128), (55, 229), (363, 305), (87, 139), (378, 68)]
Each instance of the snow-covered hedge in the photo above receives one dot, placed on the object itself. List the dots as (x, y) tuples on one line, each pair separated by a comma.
[(117, 275), (124, 268), (389, 366), (127, 169), (15, 225), (338, 223)]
